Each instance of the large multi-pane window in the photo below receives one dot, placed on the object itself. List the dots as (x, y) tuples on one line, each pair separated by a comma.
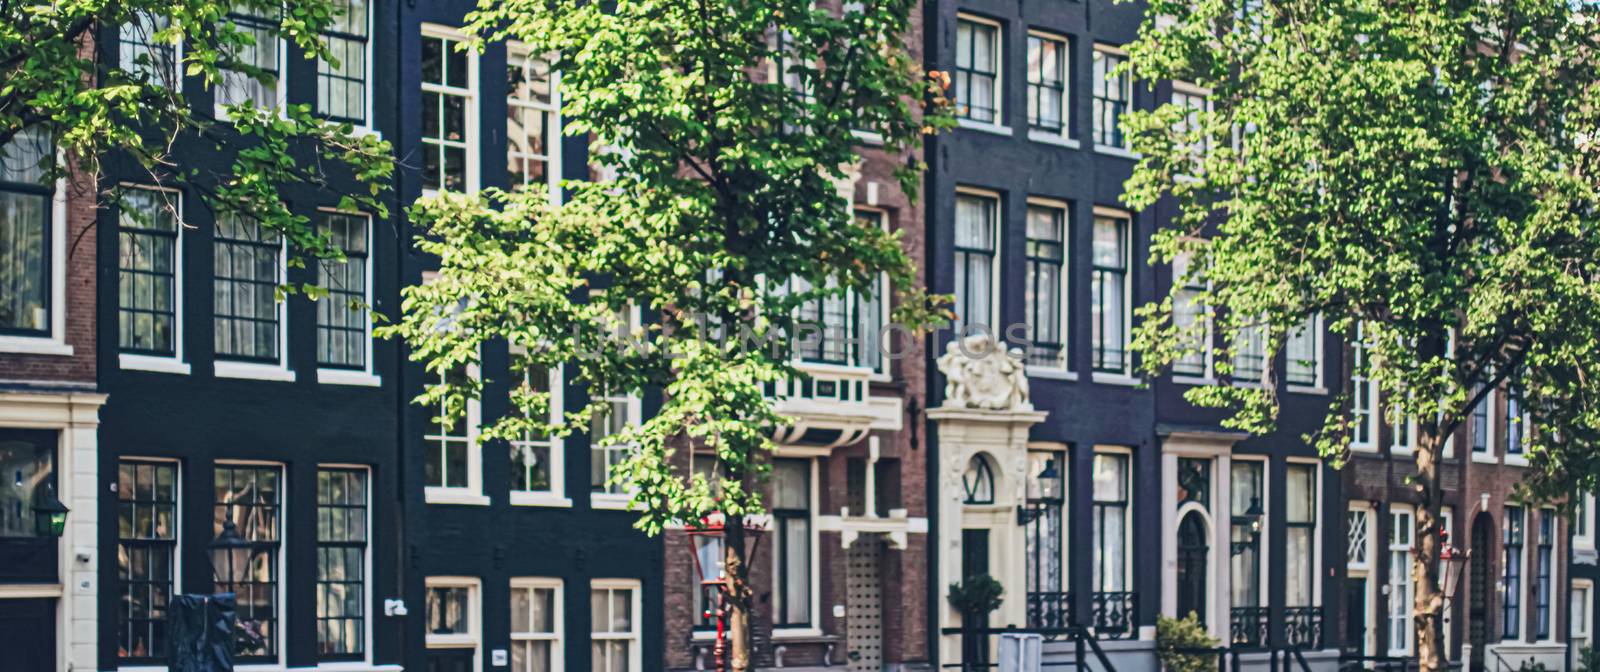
[(450, 443), (608, 450), (1193, 104), (1304, 353), (1111, 538), (248, 271), (535, 625), (141, 55), (1401, 589), (1109, 292), (533, 466), (874, 306), (25, 235), (253, 77), (1363, 393), (448, 106), (148, 270), (1250, 353), (977, 226), (249, 496), (1300, 531), (978, 92), (1047, 83), (1480, 422), (341, 563), (342, 315), (1247, 520), (791, 556), (1047, 283), (1189, 315), (1544, 559), (147, 544), (1511, 538), (1113, 97), (342, 86), (614, 626), (828, 326), (1517, 422), (533, 122)]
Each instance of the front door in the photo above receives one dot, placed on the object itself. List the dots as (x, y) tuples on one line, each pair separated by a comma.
[(1478, 586), (864, 604), (28, 635), (450, 660), (1193, 553), (1355, 616)]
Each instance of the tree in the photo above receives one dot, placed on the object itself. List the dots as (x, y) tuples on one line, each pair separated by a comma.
[(725, 129), (97, 79), (1422, 175)]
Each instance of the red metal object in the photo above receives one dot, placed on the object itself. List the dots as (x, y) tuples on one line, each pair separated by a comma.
[(711, 531)]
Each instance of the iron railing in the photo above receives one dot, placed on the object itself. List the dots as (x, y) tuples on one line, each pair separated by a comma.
[(1248, 627), (1049, 610), (1302, 627), (1112, 614)]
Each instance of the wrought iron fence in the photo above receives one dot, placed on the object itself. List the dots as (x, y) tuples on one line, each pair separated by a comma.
[(1302, 627), (1247, 627), (1112, 614), (1049, 610)]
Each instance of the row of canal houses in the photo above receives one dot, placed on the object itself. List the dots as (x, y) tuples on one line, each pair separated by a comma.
[(154, 388)]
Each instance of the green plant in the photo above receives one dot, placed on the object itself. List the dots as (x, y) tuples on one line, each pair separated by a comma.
[(1588, 660), (1176, 640), (1530, 665), (978, 594)]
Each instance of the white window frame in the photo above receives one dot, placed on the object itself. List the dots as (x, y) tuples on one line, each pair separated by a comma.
[(160, 364), (636, 632), (1365, 564), (1318, 386), (998, 125), (1491, 425), (368, 641), (177, 56), (367, 376), (994, 199), (618, 501), (1581, 597), (281, 606), (557, 619), (1557, 561), (473, 178), (814, 577), (1525, 420), (55, 343), (1130, 581), (473, 638), (472, 493), (1263, 541), (1190, 90), (1129, 240), (1361, 357), (1179, 267), (1401, 589), (556, 495), (1583, 537), (1102, 50), (269, 371), (220, 113), (1064, 136), (515, 50), (885, 298), (1316, 531), (368, 82), (1063, 367)]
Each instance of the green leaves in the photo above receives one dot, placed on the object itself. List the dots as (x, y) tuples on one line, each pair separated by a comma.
[(1419, 169)]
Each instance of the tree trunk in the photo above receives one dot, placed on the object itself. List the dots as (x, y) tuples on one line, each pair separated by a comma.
[(739, 593), (1428, 609)]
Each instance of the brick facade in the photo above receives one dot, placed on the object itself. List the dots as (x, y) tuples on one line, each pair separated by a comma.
[(18, 369)]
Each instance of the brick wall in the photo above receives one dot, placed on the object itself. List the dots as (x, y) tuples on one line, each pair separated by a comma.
[(81, 233)]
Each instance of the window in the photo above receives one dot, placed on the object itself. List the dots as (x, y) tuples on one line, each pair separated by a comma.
[(1364, 393), (1250, 354), (1304, 353), (609, 452), (342, 340), (449, 85), (148, 271), (142, 56), (1358, 529), (614, 631), (1189, 315), (342, 88), (1045, 492), (977, 233), (254, 79), (1110, 292), (249, 497), (1111, 537), (451, 443), (791, 534), (452, 613), (1545, 567), (978, 91), (536, 457), (875, 306), (1583, 521), (1047, 284), (1480, 423), (1582, 615), (248, 271), (1113, 95), (1517, 421), (341, 563), (1401, 590), (1193, 103), (978, 481), (1300, 531), (1247, 522), (26, 239), (533, 123), (828, 328), (1047, 83), (1511, 531), (536, 625), (147, 544)]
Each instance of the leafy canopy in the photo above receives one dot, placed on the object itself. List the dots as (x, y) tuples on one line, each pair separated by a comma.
[(58, 86), (725, 131), (1429, 170)]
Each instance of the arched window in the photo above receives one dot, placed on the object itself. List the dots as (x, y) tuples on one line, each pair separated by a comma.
[(979, 481)]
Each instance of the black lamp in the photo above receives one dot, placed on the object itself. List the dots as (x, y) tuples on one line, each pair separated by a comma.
[(1252, 514), (50, 515), (227, 541), (1049, 491)]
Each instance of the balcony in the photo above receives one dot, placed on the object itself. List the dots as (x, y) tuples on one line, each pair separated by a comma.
[(832, 405), (1302, 627), (1248, 627), (1113, 615)]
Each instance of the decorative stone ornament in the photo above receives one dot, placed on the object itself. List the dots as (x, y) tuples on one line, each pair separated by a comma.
[(980, 373)]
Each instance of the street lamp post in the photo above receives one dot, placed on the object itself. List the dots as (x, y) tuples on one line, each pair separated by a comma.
[(706, 546), (1453, 559)]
